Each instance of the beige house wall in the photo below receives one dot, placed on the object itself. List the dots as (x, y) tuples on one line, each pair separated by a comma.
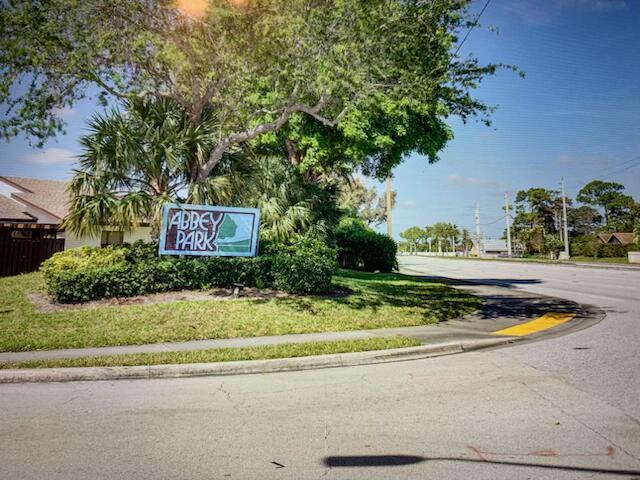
[(72, 241)]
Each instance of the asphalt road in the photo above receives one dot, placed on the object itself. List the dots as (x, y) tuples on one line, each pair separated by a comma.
[(514, 413), (603, 360)]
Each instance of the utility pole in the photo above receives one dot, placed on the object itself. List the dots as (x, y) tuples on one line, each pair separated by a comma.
[(508, 219), (566, 255), (478, 234), (389, 218)]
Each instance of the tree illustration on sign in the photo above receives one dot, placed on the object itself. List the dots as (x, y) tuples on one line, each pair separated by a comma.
[(228, 228)]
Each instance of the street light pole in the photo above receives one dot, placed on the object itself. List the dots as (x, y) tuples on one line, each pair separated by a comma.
[(479, 246), (508, 219), (565, 254)]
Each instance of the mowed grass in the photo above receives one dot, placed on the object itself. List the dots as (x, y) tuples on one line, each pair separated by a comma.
[(376, 301), (288, 350), (601, 259)]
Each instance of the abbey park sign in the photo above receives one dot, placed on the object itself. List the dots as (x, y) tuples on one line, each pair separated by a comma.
[(207, 230)]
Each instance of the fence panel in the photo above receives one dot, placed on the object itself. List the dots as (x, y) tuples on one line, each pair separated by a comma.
[(23, 255)]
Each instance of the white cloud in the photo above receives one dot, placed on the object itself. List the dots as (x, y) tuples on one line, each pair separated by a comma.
[(473, 181), (64, 112), (51, 156)]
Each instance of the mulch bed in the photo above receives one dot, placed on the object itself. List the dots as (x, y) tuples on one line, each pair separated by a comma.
[(45, 305)]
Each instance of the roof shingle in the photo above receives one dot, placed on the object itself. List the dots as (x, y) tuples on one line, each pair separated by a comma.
[(12, 211), (47, 195)]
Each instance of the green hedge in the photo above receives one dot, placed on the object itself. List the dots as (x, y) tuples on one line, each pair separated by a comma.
[(361, 248), (85, 274), (592, 247)]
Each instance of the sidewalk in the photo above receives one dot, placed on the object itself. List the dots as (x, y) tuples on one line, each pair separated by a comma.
[(503, 308)]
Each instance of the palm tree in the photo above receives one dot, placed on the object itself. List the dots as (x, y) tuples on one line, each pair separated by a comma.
[(291, 205), (134, 162)]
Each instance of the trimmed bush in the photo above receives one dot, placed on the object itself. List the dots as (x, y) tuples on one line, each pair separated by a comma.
[(84, 274), (361, 248), (304, 268)]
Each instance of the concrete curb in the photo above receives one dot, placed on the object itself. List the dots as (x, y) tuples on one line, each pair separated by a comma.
[(36, 375)]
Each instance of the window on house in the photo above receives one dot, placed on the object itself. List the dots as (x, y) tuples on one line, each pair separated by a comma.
[(22, 234), (111, 238)]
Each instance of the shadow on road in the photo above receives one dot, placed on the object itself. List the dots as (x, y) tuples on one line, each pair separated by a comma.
[(355, 461), (521, 307), (499, 282)]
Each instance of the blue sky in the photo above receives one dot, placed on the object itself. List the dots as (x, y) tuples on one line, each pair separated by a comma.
[(576, 115)]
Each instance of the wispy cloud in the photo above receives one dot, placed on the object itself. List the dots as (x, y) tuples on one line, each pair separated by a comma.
[(473, 181), (51, 156), (541, 12)]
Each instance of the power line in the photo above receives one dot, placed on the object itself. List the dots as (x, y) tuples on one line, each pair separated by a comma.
[(613, 174), (472, 27), (610, 171)]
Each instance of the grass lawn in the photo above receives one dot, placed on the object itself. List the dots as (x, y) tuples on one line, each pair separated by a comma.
[(225, 354), (377, 301), (601, 260)]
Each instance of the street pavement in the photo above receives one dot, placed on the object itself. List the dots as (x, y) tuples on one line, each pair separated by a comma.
[(528, 411), (603, 360)]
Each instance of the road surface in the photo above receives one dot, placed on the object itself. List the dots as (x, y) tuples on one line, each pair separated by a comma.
[(603, 360), (531, 411)]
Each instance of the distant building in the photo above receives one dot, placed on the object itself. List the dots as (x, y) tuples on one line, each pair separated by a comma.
[(490, 248), (616, 238), (31, 211)]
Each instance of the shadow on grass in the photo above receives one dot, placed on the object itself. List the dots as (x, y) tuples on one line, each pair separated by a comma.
[(364, 461), (375, 291)]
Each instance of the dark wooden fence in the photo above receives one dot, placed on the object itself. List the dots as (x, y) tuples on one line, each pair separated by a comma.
[(22, 255)]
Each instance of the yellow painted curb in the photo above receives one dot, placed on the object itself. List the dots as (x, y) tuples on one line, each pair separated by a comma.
[(548, 320)]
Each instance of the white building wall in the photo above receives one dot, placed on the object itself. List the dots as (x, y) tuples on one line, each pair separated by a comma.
[(72, 241), (138, 233)]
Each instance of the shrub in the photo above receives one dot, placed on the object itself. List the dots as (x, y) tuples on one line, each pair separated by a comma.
[(592, 247), (584, 246), (612, 250), (87, 273), (361, 248), (304, 268)]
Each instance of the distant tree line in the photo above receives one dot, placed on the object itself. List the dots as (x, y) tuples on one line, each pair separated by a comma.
[(537, 225), (440, 237)]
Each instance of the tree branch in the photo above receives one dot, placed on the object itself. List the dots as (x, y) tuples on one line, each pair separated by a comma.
[(251, 133)]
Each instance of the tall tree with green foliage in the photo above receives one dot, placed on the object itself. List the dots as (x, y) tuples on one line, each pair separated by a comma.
[(620, 210), (538, 214), (583, 220), (600, 194), (347, 83)]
